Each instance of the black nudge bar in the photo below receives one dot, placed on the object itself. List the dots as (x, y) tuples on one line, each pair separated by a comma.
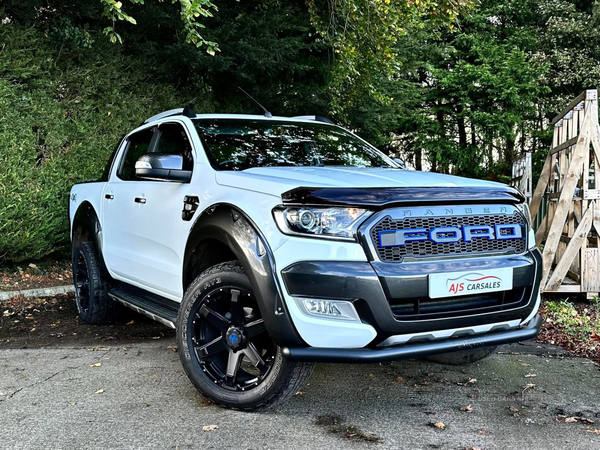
[(416, 350)]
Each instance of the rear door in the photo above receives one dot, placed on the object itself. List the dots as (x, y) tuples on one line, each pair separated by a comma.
[(120, 212)]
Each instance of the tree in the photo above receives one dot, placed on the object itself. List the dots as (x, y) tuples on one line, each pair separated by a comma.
[(479, 89)]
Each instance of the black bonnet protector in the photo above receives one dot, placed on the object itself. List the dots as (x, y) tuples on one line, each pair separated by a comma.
[(379, 198)]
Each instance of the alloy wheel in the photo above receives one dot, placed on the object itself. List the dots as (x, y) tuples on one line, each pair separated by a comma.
[(230, 340)]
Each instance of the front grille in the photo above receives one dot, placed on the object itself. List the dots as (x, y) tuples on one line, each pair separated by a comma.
[(430, 249), (421, 308)]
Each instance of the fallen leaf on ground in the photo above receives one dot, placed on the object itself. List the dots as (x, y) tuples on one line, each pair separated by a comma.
[(467, 408), (513, 409), (440, 425), (530, 375), (400, 379), (573, 419), (206, 402), (96, 364), (593, 431), (99, 391), (525, 364), (210, 427), (130, 323), (172, 347), (528, 386), (468, 382)]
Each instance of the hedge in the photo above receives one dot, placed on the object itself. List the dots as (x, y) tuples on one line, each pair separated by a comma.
[(61, 113)]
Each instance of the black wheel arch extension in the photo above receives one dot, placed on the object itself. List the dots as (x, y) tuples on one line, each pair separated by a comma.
[(86, 226), (230, 226)]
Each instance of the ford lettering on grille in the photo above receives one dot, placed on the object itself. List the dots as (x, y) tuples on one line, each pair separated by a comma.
[(448, 232), (441, 235)]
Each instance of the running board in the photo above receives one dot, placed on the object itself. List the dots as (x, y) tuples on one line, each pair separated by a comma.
[(157, 308)]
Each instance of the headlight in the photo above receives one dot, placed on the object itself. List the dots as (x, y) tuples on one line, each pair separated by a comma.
[(339, 223), (524, 208)]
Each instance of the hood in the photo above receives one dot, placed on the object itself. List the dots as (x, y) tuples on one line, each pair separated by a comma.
[(277, 180)]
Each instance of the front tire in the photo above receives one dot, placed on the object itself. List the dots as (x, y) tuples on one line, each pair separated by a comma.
[(463, 357), (225, 348)]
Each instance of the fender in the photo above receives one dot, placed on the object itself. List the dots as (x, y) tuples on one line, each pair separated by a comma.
[(230, 226), (87, 225)]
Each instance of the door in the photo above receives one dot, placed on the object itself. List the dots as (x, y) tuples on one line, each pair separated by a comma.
[(120, 212), (152, 235)]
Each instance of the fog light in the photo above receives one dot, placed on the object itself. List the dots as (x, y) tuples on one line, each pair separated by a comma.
[(328, 309)]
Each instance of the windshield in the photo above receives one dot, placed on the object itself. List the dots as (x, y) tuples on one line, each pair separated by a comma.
[(238, 144)]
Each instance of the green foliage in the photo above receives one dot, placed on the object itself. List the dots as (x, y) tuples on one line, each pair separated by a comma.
[(190, 11), (576, 324), (61, 113), (364, 37), (461, 90), (468, 99)]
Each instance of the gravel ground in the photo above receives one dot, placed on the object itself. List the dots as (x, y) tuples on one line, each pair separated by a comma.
[(53, 394)]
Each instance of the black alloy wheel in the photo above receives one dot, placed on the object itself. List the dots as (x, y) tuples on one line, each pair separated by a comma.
[(230, 340), (225, 346)]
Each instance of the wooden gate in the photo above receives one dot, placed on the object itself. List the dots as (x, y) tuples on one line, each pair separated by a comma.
[(569, 231)]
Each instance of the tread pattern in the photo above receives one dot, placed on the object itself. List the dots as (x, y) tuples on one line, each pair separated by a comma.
[(101, 308), (295, 374)]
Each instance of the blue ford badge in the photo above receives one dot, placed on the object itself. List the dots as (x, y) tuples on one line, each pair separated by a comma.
[(444, 235)]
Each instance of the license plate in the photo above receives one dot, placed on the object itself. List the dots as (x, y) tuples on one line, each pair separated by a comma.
[(454, 284)]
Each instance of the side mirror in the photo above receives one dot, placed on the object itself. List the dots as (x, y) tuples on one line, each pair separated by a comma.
[(161, 166), (400, 162)]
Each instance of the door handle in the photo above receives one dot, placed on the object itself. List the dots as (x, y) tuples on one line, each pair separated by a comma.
[(109, 196), (141, 200)]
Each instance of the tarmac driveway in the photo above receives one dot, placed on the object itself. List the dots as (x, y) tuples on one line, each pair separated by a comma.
[(136, 395)]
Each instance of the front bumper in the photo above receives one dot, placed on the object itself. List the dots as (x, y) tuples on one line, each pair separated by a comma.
[(415, 350), (376, 288)]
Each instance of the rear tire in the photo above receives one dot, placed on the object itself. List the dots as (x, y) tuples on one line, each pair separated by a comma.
[(225, 348), (91, 292), (463, 357)]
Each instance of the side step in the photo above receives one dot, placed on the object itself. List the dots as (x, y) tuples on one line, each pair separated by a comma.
[(157, 308)]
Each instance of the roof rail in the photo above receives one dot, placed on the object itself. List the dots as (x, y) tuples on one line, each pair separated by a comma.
[(187, 112), (315, 118)]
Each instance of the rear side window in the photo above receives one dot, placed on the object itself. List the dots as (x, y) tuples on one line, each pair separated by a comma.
[(173, 140), (109, 164), (138, 144)]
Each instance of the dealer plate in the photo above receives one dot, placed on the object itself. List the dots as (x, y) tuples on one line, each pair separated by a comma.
[(454, 284)]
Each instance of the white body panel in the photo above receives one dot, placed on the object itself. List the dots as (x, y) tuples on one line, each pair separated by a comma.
[(144, 244)]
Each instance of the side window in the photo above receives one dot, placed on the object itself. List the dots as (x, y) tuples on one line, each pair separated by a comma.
[(173, 140), (138, 145)]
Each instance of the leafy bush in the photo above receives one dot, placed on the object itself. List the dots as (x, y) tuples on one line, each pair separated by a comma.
[(62, 110), (575, 323)]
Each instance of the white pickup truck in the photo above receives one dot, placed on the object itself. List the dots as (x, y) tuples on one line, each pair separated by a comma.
[(272, 243)]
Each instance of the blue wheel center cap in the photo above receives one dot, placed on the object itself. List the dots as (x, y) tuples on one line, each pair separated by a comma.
[(234, 338)]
